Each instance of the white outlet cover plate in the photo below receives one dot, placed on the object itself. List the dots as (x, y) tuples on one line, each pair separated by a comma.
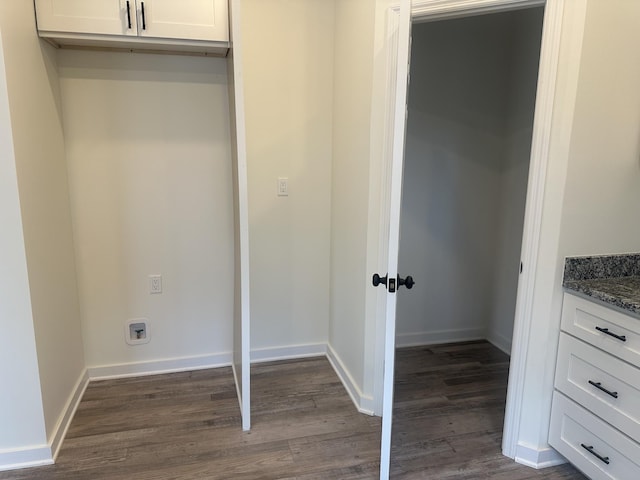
[(155, 284)]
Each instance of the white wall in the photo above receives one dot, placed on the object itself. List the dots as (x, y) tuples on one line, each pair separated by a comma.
[(602, 196), (600, 184), (22, 423), (451, 191), (148, 149), (288, 73), (355, 21), (42, 180), (524, 54), (466, 165)]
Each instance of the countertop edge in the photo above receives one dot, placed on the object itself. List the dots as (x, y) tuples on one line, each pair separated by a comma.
[(603, 298)]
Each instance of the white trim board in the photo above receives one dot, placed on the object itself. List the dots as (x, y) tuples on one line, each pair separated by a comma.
[(241, 355), (40, 455), (218, 360), (158, 367), (60, 431), (538, 458), (273, 354), (430, 10), (499, 341), (35, 456), (548, 107), (364, 403)]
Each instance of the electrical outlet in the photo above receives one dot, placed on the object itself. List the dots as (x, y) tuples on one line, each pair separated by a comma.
[(155, 284)]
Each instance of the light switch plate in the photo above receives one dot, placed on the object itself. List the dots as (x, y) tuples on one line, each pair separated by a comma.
[(283, 187)]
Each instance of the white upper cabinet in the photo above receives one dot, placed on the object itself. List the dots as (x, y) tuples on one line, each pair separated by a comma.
[(107, 17), (186, 19), (187, 25)]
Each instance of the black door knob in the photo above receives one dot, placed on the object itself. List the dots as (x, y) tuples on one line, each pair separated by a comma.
[(377, 280), (407, 282)]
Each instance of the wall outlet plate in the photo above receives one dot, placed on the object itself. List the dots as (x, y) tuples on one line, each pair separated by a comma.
[(155, 284)]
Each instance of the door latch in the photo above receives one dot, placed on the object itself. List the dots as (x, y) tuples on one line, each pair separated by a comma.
[(392, 285)]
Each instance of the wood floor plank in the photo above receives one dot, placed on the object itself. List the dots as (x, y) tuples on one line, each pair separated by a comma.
[(186, 426), (449, 414)]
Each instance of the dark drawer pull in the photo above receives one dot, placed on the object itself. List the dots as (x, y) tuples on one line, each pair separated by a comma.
[(129, 15), (606, 330), (144, 17), (595, 454), (599, 386)]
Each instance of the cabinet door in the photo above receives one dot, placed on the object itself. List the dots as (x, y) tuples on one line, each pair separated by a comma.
[(184, 19), (106, 17)]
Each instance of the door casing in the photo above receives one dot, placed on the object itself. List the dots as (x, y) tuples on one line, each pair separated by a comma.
[(546, 102)]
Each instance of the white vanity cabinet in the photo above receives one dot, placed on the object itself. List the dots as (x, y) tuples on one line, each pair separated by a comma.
[(595, 418), (197, 26)]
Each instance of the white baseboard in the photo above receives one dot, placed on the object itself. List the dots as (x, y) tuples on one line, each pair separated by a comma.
[(35, 456), (500, 341), (46, 454), (60, 431), (184, 364), (272, 354), (363, 403), (538, 458), (158, 367), (436, 337)]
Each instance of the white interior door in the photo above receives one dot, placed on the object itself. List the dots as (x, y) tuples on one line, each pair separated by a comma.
[(397, 162), (241, 320)]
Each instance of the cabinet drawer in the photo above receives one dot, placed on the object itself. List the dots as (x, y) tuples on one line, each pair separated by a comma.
[(592, 445), (601, 326), (586, 374)]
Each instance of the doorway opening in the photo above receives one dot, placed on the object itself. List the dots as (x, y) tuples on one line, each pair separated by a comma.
[(471, 108)]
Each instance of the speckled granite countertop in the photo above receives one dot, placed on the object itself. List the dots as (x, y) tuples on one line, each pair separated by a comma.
[(612, 279)]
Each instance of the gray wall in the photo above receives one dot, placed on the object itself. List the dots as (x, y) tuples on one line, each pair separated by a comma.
[(471, 105)]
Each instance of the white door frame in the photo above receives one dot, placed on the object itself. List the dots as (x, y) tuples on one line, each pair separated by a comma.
[(426, 10)]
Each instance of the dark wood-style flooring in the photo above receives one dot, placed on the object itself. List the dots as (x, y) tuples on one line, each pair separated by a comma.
[(449, 413), (187, 425)]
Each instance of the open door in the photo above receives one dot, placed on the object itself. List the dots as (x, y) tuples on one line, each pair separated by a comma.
[(241, 340), (392, 280)]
